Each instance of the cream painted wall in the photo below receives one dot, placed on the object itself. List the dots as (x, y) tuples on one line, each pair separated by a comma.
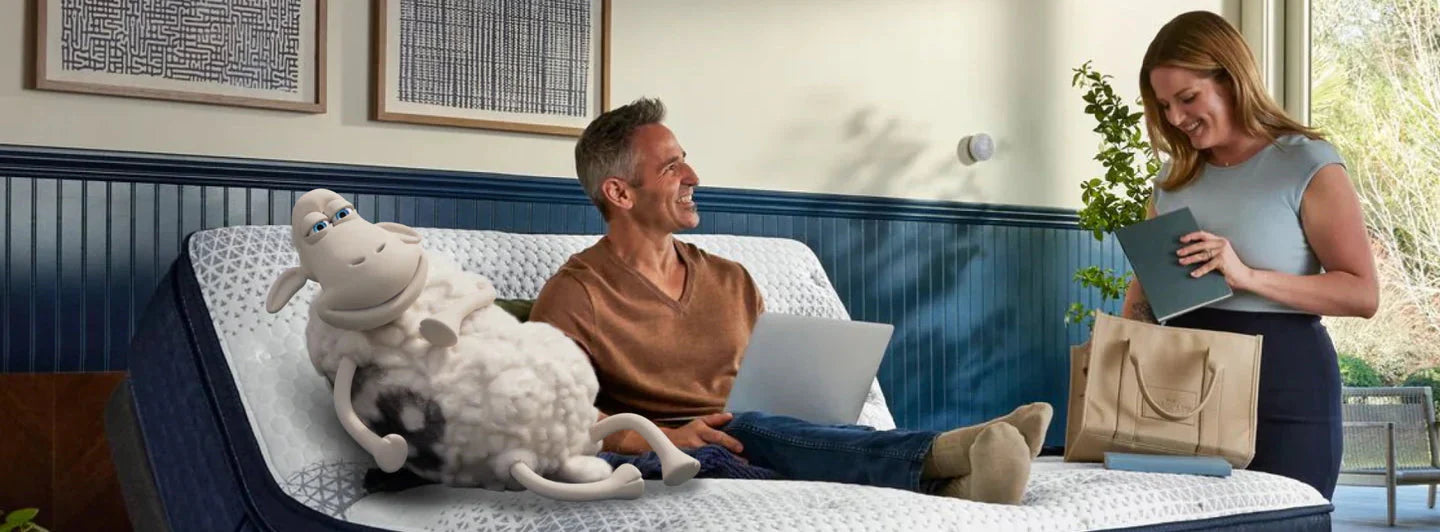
[(845, 97)]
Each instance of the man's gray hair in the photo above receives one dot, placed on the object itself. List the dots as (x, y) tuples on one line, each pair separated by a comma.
[(604, 148)]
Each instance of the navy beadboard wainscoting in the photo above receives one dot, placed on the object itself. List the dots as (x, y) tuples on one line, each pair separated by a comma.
[(977, 292)]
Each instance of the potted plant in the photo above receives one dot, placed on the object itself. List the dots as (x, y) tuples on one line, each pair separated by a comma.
[(1118, 198)]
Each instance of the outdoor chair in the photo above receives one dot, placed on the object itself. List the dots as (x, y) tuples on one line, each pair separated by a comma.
[(1390, 440)]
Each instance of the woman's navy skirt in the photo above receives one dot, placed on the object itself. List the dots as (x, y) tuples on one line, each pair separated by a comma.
[(1298, 431)]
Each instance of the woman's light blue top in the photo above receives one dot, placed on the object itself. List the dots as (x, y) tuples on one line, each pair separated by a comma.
[(1256, 205)]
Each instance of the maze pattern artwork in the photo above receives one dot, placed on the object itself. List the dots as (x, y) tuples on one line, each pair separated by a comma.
[(517, 56), (253, 44)]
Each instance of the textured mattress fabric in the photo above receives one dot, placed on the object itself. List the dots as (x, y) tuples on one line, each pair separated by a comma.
[(289, 405), (1059, 497)]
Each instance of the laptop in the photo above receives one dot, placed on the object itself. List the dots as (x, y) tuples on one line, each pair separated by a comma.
[(815, 369)]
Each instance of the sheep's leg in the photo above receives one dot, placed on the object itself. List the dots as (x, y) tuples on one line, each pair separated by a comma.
[(443, 328), (676, 467), (389, 452), (624, 483)]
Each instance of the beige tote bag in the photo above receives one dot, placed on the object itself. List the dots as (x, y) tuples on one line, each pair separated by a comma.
[(1146, 388)]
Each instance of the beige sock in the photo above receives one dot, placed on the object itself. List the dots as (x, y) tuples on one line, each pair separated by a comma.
[(1001, 461), (950, 453), (1033, 420)]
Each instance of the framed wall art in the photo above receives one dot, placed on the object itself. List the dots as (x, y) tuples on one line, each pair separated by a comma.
[(252, 53), (538, 66)]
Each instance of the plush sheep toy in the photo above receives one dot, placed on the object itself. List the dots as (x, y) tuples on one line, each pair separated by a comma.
[(465, 394)]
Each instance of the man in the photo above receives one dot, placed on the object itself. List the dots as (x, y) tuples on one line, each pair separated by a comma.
[(665, 325)]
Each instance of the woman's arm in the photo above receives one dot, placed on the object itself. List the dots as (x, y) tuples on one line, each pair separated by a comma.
[(1136, 307), (1335, 227)]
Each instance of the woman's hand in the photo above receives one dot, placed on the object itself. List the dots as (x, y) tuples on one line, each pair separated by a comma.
[(1216, 254)]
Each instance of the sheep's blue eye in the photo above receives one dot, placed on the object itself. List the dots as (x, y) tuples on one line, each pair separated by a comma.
[(343, 213), (319, 226)]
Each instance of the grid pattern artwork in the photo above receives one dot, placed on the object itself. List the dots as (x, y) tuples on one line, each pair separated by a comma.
[(253, 44), (516, 56)]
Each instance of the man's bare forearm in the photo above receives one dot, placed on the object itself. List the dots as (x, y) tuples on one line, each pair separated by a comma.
[(625, 441)]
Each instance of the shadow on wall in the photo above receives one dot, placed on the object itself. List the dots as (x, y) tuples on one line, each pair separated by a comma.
[(978, 309), (865, 151), (886, 156)]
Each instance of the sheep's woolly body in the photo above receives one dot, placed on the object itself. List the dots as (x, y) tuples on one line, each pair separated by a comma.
[(525, 389)]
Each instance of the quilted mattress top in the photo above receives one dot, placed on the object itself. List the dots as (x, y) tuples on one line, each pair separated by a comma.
[(315, 461), (1059, 496)]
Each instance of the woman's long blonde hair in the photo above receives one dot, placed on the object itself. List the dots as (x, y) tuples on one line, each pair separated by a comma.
[(1205, 43)]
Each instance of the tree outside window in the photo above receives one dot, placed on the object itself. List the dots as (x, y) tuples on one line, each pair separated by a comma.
[(1375, 91)]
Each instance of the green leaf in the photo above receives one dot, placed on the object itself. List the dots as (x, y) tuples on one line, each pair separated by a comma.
[(22, 516), (7, 527)]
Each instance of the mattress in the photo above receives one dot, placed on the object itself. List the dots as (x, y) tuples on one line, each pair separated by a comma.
[(246, 436), (1059, 496), (289, 406)]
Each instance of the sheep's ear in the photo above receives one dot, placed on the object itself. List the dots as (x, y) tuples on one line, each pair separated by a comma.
[(407, 235), (285, 288)]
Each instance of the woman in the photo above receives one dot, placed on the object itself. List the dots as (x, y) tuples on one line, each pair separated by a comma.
[(1280, 221)]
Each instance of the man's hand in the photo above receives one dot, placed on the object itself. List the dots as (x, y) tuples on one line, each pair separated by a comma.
[(704, 430)]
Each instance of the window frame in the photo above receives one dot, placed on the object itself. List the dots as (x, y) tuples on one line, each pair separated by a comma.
[(1278, 32)]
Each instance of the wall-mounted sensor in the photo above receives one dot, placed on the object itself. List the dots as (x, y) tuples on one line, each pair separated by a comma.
[(976, 148)]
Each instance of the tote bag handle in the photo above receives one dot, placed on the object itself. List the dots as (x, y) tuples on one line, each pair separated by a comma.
[(1211, 369)]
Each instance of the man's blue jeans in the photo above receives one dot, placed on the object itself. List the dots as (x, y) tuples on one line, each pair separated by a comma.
[(854, 454), (795, 449)]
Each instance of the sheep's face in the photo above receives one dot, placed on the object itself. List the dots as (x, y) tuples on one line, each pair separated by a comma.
[(368, 273)]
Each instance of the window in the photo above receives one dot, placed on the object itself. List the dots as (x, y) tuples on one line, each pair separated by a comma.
[(1372, 84)]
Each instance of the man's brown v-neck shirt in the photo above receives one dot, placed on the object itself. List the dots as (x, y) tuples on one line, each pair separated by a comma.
[(655, 355)]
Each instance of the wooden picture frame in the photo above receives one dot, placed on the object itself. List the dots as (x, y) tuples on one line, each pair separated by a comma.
[(456, 99), (161, 67)]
